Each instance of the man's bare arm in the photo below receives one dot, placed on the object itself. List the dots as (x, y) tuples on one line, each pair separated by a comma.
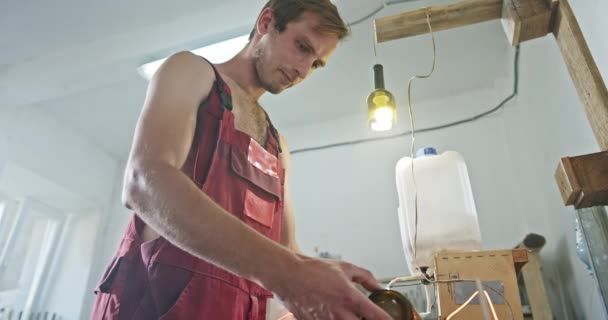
[(288, 234), (166, 199)]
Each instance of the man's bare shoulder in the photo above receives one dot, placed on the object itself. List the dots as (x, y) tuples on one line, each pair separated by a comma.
[(187, 71), (189, 63), (167, 123)]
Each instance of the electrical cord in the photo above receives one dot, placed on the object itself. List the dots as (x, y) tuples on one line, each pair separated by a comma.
[(433, 128), (411, 113), (469, 300), (384, 5), (504, 298), (435, 281), (486, 286)]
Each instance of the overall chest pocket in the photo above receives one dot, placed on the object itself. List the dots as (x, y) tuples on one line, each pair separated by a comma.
[(262, 192)]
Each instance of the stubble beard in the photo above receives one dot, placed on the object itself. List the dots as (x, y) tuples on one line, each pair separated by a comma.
[(259, 65)]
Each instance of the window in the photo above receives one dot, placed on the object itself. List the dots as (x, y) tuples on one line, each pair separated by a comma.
[(30, 231)]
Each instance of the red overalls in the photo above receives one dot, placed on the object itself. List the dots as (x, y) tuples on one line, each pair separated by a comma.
[(155, 279)]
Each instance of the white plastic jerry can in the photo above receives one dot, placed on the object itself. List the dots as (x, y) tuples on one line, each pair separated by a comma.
[(447, 218)]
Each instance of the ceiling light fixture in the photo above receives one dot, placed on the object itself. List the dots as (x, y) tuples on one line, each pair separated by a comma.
[(381, 104)]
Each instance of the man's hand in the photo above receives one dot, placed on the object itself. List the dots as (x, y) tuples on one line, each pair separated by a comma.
[(324, 289)]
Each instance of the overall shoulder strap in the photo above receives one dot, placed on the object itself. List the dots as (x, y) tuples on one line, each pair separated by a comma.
[(209, 116)]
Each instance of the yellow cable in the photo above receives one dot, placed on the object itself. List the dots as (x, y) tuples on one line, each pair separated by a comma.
[(409, 106), (469, 300), (491, 305), (462, 306)]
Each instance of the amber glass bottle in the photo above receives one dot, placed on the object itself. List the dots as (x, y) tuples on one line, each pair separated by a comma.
[(395, 304)]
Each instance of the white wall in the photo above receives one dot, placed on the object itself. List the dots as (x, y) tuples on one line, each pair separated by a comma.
[(42, 159), (36, 141)]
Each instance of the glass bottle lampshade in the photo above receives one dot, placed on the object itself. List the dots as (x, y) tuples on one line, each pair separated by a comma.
[(381, 104)]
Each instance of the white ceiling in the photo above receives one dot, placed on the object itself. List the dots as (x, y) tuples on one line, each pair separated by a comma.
[(78, 59)]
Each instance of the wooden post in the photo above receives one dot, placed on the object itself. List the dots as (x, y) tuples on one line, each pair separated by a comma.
[(532, 276), (583, 71)]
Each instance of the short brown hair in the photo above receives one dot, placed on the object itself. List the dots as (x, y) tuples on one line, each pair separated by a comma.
[(286, 11)]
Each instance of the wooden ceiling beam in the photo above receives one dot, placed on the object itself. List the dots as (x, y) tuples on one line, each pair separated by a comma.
[(442, 17), (522, 19)]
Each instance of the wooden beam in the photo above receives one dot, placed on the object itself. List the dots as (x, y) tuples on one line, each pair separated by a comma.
[(524, 20), (535, 288), (532, 278), (583, 180), (442, 18), (583, 71), (520, 258)]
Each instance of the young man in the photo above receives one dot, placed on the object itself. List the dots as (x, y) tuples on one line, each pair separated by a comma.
[(213, 235)]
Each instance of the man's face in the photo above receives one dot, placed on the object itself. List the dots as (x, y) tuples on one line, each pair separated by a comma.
[(284, 59)]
